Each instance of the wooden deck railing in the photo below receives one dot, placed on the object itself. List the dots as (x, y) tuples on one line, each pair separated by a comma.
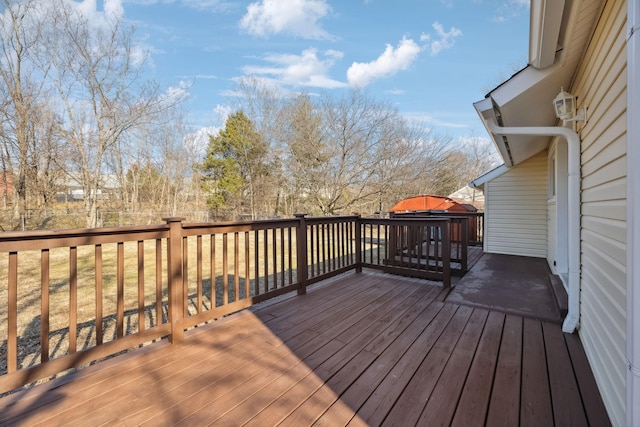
[(415, 247), (72, 297), (475, 220)]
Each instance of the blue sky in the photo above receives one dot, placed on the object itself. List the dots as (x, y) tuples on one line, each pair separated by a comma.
[(431, 59)]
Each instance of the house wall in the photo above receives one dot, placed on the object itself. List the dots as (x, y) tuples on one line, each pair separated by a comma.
[(515, 210), (551, 235), (600, 85), (552, 217), (558, 209)]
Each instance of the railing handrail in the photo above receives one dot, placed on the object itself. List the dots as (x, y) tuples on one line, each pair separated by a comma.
[(297, 252)]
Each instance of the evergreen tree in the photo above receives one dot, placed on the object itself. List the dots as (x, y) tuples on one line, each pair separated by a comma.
[(233, 167)]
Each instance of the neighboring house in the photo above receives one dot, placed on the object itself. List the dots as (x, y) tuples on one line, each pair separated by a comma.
[(571, 194), (431, 203), (469, 195), (6, 184), (73, 191)]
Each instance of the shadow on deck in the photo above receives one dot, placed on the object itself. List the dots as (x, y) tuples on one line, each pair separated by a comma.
[(359, 349)]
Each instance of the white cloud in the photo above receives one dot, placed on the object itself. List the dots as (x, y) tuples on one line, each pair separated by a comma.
[(511, 9), (437, 120), (446, 40), (211, 5), (175, 94), (396, 91), (310, 68), (389, 63), (198, 141), (296, 17), (112, 9), (206, 77), (221, 113)]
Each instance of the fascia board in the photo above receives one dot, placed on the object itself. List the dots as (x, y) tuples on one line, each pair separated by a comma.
[(489, 176), (485, 111)]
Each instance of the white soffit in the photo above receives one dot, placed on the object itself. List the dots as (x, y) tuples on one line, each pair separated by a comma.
[(525, 100)]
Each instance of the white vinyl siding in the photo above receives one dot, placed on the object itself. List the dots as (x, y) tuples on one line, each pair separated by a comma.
[(551, 235), (516, 210), (552, 208), (600, 85)]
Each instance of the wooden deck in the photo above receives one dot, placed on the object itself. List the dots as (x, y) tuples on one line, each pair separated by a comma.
[(362, 349)]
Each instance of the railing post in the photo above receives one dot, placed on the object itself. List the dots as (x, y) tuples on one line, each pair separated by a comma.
[(358, 238), (445, 227), (302, 263), (392, 243), (465, 243), (174, 272)]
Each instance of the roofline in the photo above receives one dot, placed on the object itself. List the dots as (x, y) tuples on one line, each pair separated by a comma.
[(489, 176)]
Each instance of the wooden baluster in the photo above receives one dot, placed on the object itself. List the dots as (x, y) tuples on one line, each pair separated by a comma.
[(141, 317), (301, 253), (236, 266), (247, 265), (98, 282), (225, 269), (120, 290), (73, 299), (158, 282), (199, 272), (12, 314), (44, 305)]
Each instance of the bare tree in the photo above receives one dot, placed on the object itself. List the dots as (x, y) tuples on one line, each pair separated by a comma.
[(45, 173), (265, 105), (354, 154), (177, 148), (97, 71), (308, 152), (462, 163), (366, 152), (405, 162), (25, 116)]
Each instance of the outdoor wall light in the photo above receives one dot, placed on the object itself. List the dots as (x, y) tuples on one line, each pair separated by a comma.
[(565, 107)]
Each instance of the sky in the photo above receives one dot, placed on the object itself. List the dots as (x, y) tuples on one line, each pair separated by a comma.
[(430, 59)]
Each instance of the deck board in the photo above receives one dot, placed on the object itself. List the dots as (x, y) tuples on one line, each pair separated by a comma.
[(567, 404), (410, 404), (360, 349), (535, 403), (440, 407), (473, 403)]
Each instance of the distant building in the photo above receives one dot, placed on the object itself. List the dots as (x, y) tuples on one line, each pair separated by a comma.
[(432, 203), (6, 184), (469, 195)]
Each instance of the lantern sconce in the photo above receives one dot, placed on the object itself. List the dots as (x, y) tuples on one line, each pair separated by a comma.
[(565, 108)]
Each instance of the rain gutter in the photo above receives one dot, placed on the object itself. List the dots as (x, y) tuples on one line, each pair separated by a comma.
[(573, 140), (633, 210)]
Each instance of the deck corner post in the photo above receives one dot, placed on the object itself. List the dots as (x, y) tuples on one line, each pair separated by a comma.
[(175, 283), (301, 253), (358, 238), (465, 243), (446, 253)]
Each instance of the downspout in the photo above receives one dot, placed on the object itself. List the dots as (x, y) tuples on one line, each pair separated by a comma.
[(633, 210), (573, 140)]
